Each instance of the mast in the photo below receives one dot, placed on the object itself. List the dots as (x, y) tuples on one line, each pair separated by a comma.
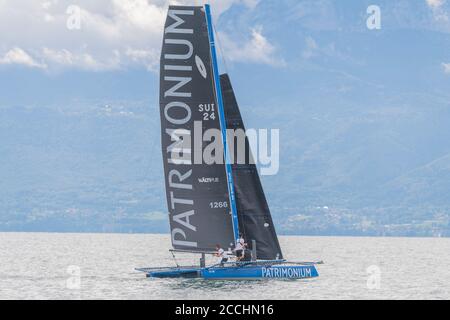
[(223, 125)]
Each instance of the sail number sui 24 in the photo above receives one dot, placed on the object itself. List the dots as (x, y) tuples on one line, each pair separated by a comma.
[(208, 111)]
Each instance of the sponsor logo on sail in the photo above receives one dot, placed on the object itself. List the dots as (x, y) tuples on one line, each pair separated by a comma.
[(208, 180), (201, 66)]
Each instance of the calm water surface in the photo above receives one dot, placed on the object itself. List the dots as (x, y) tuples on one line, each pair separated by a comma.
[(46, 266)]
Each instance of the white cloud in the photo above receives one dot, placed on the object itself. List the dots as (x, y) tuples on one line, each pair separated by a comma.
[(148, 58), (446, 67), (20, 57), (435, 3), (257, 49), (440, 14), (220, 6), (139, 14), (84, 61), (114, 34)]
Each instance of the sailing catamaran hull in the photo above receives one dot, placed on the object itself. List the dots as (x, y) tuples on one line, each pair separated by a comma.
[(239, 273), (175, 273)]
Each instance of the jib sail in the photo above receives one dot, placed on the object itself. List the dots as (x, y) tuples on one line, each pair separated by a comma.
[(255, 221)]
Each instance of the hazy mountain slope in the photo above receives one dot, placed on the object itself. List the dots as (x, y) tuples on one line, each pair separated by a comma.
[(363, 117), (85, 170), (343, 170)]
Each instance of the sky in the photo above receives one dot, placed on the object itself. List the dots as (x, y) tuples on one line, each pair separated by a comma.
[(99, 35), (64, 49)]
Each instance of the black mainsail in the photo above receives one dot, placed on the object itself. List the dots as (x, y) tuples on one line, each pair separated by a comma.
[(197, 194), (255, 221)]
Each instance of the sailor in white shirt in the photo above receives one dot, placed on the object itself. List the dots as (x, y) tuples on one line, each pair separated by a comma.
[(240, 247), (221, 255)]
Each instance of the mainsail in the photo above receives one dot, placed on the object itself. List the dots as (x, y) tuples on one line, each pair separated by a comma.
[(255, 221), (197, 194)]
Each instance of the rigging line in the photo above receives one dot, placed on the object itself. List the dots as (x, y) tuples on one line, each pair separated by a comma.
[(224, 61), (218, 92), (222, 55), (175, 259)]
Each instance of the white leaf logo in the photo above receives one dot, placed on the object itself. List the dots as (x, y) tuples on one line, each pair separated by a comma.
[(200, 66)]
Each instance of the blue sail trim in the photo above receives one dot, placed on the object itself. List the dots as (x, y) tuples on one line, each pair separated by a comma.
[(223, 125)]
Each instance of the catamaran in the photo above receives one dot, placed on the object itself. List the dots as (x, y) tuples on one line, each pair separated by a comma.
[(216, 202)]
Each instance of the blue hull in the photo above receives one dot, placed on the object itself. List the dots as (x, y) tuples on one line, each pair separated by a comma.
[(175, 273), (250, 272)]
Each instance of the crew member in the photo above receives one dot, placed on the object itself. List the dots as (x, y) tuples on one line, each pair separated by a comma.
[(240, 247), (221, 255)]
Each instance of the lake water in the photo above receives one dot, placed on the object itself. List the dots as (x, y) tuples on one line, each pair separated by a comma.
[(101, 266)]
